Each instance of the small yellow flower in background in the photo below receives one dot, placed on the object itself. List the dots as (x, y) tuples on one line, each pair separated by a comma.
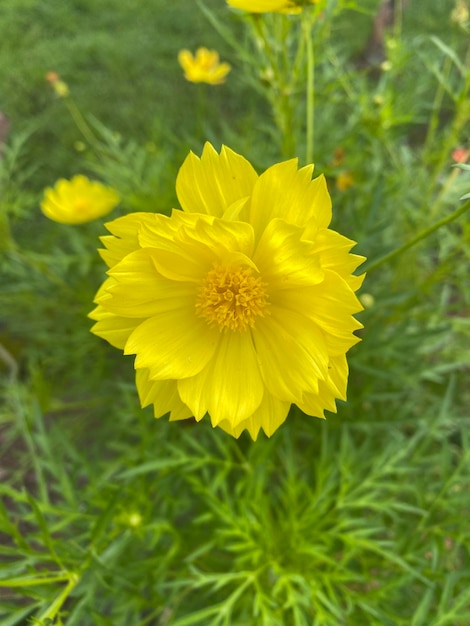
[(134, 520), (460, 13), (270, 6), (203, 67), (239, 305), (344, 180), (386, 66), (367, 300), (78, 200)]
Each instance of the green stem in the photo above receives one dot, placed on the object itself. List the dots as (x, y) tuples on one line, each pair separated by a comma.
[(429, 142), (310, 120), (10, 362), (6, 240), (419, 237), (80, 121), (201, 109), (52, 611), (448, 141), (279, 93), (444, 189)]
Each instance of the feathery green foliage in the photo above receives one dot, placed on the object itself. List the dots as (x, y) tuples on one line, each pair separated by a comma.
[(110, 518)]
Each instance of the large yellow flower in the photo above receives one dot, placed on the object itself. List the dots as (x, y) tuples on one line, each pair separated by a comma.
[(78, 200), (203, 67), (270, 6), (239, 305)]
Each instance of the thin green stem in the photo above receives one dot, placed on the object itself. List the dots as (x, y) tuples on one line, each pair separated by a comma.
[(451, 138), (80, 121), (201, 108), (33, 581), (444, 189), (449, 142), (419, 237), (297, 64), (6, 239), (310, 120), (435, 111), (10, 362), (52, 611), (279, 93)]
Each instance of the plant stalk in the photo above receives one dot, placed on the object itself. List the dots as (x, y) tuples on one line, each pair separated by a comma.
[(419, 237)]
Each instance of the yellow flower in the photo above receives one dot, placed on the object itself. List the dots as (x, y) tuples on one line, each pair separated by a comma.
[(270, 6), (345, 180), (239, 305), (78, 200), (460, 13), (204, 67)]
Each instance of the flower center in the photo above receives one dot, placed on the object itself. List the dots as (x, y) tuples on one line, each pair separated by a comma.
[(231, 298), (81, 205)]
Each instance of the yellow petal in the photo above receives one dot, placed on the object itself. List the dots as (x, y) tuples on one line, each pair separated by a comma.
[(338, 372), (140, 291), (230, 386), (127, 227), (161, 231), (292, 354), (264, 6), (114, 329), (124, 238), (212, 183), (163, 394), (331, 305), (174, 344), (334, 253), (334, 387), (268, 416), (289, 193), (197, 245), (185, 59), (284, 260)]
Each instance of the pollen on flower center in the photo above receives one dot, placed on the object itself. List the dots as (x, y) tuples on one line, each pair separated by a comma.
[(232, 298)]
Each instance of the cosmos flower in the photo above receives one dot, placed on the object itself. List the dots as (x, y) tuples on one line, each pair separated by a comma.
[(270, 6), (203, 67), (78, 200), (240, 304)]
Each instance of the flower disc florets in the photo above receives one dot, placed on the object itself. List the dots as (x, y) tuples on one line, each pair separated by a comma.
[(231, 298), (239, 305)]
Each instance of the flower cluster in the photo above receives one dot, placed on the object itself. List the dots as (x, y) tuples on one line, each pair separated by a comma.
[(78, 200), (240, 304)]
